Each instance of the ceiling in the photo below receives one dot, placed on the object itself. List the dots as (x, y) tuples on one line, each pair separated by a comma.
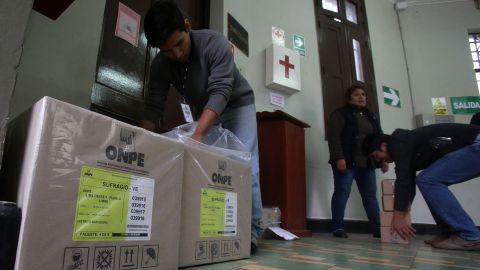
[(427, 2), (407, 3)]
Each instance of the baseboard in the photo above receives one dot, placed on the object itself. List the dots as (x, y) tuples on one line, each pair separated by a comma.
[(361, 226)]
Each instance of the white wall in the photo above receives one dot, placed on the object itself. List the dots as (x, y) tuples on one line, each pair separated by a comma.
[(436, 45), (440, 65), (391, 66), (59, 60), (60, 56), (295, 17), (13, 21)]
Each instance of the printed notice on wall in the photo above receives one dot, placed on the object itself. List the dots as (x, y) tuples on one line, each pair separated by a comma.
[(218, 213), (277, 99), (278, 36), (113, 206), (128, 25), (439, 106)]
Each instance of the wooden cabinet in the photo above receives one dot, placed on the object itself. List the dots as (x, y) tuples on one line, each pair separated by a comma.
[(281, 142), (123, 70)]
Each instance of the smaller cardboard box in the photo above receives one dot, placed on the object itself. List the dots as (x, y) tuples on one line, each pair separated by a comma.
[(386, 218), (393, 238), (388, 187), (271, 217), (216, 207), (388, 201)]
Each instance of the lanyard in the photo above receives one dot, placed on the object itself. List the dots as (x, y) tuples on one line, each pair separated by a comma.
[(187, 113), (184, 82)]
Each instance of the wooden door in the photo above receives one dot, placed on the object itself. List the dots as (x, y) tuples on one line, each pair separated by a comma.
[(334, 64), (121, 81), (345, 54)]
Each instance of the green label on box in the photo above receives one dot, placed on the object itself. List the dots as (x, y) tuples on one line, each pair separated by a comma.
[(218, 213), (113, 206)]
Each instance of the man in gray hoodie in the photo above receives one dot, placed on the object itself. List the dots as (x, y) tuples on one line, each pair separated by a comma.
[(200, 65)]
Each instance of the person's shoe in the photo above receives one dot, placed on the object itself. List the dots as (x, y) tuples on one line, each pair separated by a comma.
[(253, 248), (437, 238), (340, 233), (376, 235), (454, 242)]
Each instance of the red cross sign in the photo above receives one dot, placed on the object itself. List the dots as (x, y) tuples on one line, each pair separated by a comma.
[(287, 65), (282, 69)]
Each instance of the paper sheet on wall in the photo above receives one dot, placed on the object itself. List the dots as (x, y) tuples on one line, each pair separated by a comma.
[(277, 99), (128, 24)]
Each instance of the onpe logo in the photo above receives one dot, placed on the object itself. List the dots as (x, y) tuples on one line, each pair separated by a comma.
[(127, 139), (125, 152), (222, 165), (220, 177)]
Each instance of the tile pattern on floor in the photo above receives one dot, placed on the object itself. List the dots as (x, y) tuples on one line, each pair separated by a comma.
[(359, 252)]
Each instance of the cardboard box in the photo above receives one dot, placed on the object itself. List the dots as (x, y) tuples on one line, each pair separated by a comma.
[(271, 217), (216, 207), (393, 238), (386, 218), (387, 202), (95, 193), (388, 187)]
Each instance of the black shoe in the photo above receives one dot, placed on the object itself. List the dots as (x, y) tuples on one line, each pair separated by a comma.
[(376, 235), (253, 248), (340, 233)]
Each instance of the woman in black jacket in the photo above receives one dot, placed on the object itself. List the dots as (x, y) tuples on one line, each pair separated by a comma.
[(347, 128)]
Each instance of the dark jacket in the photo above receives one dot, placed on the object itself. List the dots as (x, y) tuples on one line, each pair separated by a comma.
[(414, 150), (343, 133), (475, 119)]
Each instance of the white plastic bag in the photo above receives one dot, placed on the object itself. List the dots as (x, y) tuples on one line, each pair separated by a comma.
[(217, 139)]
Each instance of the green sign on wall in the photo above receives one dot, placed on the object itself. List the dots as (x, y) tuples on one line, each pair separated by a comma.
[(299, 44), (391, 97), (465, 105)]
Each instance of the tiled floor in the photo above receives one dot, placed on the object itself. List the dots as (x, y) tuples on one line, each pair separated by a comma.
[(359, 251)]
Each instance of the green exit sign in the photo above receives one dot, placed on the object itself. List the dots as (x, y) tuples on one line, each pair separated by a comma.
[(465, 105)]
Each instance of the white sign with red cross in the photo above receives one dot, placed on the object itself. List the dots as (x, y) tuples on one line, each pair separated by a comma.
[(283, 69)]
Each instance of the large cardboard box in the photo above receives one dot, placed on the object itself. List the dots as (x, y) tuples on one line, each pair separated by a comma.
[(95, 193), (216, 207)]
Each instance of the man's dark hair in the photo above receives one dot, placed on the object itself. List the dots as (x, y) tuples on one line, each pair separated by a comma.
[(372, 143), (161, 21), (475, 119), (350, 90)]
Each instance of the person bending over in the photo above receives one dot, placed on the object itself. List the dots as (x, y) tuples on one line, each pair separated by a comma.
[(199, 64), (446, 154)]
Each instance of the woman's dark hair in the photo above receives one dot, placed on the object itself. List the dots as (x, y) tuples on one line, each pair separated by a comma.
[(163, 19), (350, 91)]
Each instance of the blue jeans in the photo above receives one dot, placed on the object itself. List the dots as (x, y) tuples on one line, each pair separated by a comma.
[(242, 121), (455, 167), (367, 185)]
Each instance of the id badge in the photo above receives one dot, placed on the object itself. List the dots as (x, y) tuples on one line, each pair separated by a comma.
[(187, 113)]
